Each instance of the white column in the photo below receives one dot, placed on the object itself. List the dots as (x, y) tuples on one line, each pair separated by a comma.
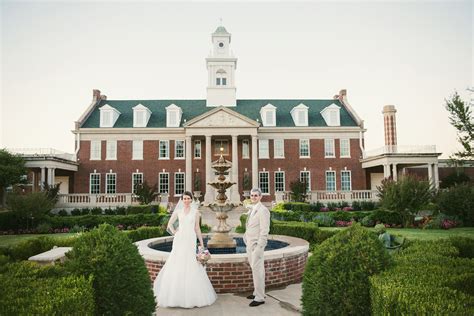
[(386, 171), (33, 181), (209, 196), (189, 171), (254, 162), (53, 175), (394, 171), (430, 174), (43, 177), (235, 196), (436, 176)]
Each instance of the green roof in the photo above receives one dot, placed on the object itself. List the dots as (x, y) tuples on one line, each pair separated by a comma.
[(194, 108)]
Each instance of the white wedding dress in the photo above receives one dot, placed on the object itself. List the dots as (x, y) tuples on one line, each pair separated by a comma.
[(183, 281)]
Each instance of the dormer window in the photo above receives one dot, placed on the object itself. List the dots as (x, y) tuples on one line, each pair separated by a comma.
[(108, 116), (331, 115), (300, 115), (173, 115), (268, 115), (221, 78), (141, 115)]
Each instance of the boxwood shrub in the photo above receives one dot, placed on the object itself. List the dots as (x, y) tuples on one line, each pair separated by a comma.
[(121, 281), (91, 221), (336, 277), (30, 289), (428, 278)]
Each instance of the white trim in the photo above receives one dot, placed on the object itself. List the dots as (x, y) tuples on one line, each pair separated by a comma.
[(269, 108), (247, 141), (309, 148), (275, 147), (107, 182), (295, 114), (197, 141), (275, 182), (175, 182), (309, 178), (110, 113), (90, 178), (221, 141), (176, 148), (94, 143), (139, 155), (111, 150), (167, 157), (332, 115), (350, 180), (328, 144), (348, 147), (133, 185), (326, 179), (259, 183), (173, 108), (141, 109), (167, 184), (266, 154)]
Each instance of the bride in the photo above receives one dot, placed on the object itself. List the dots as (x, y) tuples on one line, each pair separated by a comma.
[(183, 281)]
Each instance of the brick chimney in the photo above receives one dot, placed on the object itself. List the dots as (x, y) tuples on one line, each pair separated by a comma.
[(96, 96), (390, 126), (341, 95)]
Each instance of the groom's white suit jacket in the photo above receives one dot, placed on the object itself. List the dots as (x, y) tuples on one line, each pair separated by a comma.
[(258, 227)]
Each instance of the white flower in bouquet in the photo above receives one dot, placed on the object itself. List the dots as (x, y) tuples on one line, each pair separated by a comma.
[(203, 256)]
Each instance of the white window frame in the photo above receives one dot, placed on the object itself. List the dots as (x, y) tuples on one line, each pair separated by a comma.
[(176, 149), (111, 150), (275, 180), (141, 111), (96, 150), (107, 175), (327, 182), (197, 149), (276, 153), (135, 182), (341, 141), (268, 111), (263, 149), (245, 149), (342, 180), (296, 113), (329, 148), (300, 148), (137, 150), (97, 184), (177, 111), (106, 118), (260, 173), (308, 187), (176, 193), (224, 143), (167, 142), (160, 184)]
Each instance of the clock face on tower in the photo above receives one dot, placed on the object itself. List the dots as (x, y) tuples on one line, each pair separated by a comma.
[(221, 44)]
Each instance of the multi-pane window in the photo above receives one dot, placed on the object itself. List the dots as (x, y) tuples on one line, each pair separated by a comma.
[(164, 182), (137, 178), (245, 148), (95, 149), (304, 148), (106, 118), (329, 148), (178, 183), (173, 117), (346, 183), (306, 178), (139, 118), (179, 149), (278, 148), (137, 152), (94, 183), (330, 180), (263, 182), (111, 150), (345, 148), (197, 149), (263, 148), (279, 181), (218, 144), (301, 117), (269, 118), (110, 183), (164, 149)]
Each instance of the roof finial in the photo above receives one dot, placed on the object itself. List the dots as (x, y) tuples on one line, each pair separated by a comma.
[(220, 20)]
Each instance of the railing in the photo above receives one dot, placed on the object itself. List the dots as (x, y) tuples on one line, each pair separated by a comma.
[(98, 200), (401, 149), (45, 152), (331, 196)]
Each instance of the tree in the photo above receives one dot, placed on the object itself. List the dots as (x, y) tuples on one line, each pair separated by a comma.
[(460, 116), (405, 197), (145, 193), (12, 168), (298, 190)]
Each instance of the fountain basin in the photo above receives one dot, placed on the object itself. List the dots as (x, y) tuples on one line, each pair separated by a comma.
[(231, 273)]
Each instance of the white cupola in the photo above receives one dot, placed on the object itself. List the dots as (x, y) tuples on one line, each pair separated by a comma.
[(108, 116), (268, 115), (221, 65), (173, 115), (300, 115), (141, 115), (331, 115)]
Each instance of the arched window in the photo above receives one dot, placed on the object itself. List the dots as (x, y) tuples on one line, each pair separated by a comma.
[(221, 78)]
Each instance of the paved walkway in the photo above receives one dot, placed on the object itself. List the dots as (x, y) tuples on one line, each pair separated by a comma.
[(280, 302)]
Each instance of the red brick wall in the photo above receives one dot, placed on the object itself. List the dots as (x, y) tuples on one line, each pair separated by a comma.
[(237, 277)]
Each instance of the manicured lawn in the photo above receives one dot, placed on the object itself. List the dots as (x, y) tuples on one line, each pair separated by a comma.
[(424, 234), (8, 240)]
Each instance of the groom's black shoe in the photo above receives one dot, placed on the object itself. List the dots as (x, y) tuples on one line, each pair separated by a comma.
[(255, 303), (251, 297)]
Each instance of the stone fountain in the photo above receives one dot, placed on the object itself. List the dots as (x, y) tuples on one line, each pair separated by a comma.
[(221, 237)]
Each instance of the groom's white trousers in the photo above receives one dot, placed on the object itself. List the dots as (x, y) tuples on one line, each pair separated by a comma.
[(255, 256)]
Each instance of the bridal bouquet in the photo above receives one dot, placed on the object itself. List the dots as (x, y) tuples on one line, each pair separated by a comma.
[(203, 256)]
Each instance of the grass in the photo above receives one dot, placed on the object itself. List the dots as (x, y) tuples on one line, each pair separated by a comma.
[(423, 234), (9, 240)]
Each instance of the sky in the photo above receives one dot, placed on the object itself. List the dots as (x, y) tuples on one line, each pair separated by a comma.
[(411, 54)]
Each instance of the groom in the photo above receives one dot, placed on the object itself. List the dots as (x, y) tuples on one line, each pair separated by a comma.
[(255, 238)]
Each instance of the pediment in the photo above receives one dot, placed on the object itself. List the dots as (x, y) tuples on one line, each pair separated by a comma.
[(221, 117)]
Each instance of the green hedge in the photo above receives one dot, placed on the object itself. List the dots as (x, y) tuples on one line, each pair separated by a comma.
[(307, 231), (145, 233), (386, 217), (92, 221), (336, 277), (30, 289), (428, 278), (34, 246), (301, 216)]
